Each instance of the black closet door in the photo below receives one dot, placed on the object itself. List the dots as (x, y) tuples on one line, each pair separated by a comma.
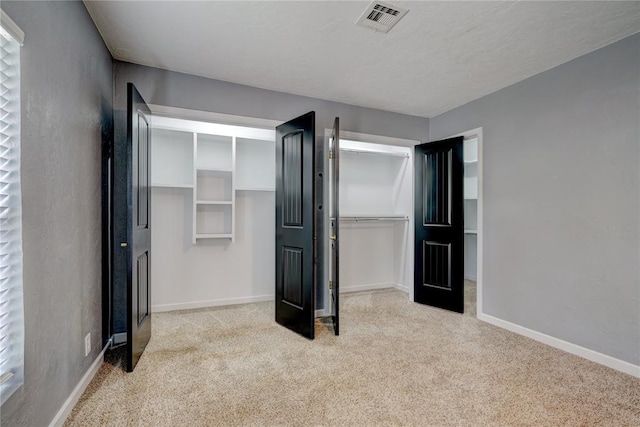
[(132, 167), (295, 225), (439, 224), (334, 225)]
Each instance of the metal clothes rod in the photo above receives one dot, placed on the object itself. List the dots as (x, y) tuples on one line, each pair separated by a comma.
[(380, 153)]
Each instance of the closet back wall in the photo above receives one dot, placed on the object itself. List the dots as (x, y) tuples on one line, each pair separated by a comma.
[(213, 271), (199, 93)]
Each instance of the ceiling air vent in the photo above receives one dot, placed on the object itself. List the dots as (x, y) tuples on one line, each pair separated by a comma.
[(381, 16)]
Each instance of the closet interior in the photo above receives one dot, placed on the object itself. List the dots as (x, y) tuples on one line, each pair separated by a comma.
[(212, 224), (213, 215), (376, 216), (470, 157)]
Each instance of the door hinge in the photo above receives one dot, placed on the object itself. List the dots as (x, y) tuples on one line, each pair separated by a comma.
[(330, 154), (330, 285)]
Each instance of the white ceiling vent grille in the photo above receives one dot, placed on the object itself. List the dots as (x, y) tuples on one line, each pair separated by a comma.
[(381, 16)]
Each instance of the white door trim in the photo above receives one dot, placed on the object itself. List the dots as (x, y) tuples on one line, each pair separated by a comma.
[(209, 116), (477, 133)]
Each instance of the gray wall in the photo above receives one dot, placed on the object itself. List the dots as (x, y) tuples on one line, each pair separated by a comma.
[(561, 199), (187, 91), (66, 84)]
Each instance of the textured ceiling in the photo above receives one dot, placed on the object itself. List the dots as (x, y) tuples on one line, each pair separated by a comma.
[(439, 56)]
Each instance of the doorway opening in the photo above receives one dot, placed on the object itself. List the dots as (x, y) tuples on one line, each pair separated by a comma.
[(472, 157), (364, 216), (375, 213)]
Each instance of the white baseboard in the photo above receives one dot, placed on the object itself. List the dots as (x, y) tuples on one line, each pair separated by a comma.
[(75, 395), (119, 338), (366, 287), (210, 303), (402, 288), (322, 313), (594, 356), (472, 278)]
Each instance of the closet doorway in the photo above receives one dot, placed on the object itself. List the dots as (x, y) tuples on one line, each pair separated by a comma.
[(213, 194), (473, 204), (448, 211), (376, 213)]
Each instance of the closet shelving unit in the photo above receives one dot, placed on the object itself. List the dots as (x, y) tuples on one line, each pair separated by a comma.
[(172, 152), (213, 162), (213, 214), (470, 158), (214, 203)]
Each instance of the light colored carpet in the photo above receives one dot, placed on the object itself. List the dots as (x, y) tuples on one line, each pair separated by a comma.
[(470, 300), (396, 363)]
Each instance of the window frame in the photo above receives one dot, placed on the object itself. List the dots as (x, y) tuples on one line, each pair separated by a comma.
[(11, 267)]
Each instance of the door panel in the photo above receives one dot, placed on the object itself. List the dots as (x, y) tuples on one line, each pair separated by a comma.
[(293, 279), (436, 181), (292, 182), (436, 260), (334, 225), (143, 287), (439, 227), (139, 233), (295, 225)]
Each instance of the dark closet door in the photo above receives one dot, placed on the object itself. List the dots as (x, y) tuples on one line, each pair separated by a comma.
[(138, 211), (439, 227), (334, 225), (295, 225)]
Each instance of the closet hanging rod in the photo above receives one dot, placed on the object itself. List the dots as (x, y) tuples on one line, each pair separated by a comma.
[(374, 218), (380, 153)]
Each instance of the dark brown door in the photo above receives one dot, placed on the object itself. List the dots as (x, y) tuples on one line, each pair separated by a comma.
[(138, 230), (334, 225), (295, 225), (439, 228)]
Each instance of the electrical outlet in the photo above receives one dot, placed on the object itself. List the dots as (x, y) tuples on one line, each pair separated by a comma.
[(87, 344)]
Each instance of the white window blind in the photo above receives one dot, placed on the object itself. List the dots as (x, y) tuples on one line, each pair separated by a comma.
[(11, 307)]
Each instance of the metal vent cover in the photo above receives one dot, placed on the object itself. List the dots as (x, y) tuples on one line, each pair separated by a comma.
[(381, 16)]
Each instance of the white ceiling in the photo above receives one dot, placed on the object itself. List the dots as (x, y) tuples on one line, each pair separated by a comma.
[(439, 56)]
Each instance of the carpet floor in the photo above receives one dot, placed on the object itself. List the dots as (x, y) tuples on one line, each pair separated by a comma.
[(395, 363)]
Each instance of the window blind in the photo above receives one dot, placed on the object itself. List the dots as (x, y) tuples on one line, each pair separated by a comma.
[(11, 305)]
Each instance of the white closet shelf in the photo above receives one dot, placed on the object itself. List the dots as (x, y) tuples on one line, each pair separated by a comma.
[(470, 231), (214, 170), (255, 189), (167, 185), (214, 202), (214, 236), (380, 153), (358, 218)]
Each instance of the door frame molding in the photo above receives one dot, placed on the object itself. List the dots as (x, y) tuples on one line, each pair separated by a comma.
[(213, 117), (477, 133)]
